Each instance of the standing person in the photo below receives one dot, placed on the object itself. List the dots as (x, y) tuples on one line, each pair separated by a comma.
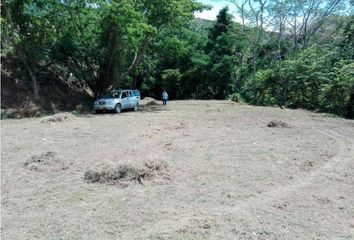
[(164, 97)]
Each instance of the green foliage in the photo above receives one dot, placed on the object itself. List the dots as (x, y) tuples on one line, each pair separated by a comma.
[(222, 24), (236, 97), (171, 81), (220, 48), (309, 81), (305, 75), (346, 42), (100, 42), (335, 94), (268, 86), (155, 45)]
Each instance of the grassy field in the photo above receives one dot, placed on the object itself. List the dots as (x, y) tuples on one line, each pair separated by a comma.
[(190, 170)]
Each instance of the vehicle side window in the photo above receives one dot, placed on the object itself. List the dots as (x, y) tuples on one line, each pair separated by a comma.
[(136, 93), (124, 95), (131, 94)]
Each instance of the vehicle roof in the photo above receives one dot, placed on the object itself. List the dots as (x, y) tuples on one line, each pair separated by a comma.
[(119, 90)]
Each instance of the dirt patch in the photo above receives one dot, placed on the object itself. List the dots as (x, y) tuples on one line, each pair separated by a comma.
[(123, 174), (48, 161), (60, 117), (181, 125), (148, 101), (307, 165), (278, 123), (178, 126), (169, 146)]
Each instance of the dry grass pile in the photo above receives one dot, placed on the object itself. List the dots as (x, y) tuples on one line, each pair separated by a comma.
[(148, 101), (278, 123), (48, 161), (59, 117), (123, 174)]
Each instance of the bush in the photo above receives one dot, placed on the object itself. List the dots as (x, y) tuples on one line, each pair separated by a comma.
[(335, 94), (236, 97)]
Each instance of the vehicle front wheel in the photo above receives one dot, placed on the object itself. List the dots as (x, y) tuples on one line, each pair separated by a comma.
[(118, 108)]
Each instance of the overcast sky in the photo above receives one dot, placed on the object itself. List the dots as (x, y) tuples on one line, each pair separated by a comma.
[(217, 5)]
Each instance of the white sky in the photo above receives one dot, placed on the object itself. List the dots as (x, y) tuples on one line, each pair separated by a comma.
[(217, 6)]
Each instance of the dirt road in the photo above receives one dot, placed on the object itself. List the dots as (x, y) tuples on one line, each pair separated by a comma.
[(228, 175)]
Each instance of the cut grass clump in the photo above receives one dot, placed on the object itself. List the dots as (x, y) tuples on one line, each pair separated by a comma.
[(121, 173), (48, 161), (278, 123), (126, 173), (156, 166), (60, 117)]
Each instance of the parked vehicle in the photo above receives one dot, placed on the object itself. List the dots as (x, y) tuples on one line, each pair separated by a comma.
[(117, 100)]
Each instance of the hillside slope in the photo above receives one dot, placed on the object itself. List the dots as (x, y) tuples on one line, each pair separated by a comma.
[(56, 94)]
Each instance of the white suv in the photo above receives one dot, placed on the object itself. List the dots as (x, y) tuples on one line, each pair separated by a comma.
[(118, 100)]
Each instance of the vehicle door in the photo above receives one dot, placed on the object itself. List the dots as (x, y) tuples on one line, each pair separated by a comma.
[(132, 99), (137, 95), (125, 100)]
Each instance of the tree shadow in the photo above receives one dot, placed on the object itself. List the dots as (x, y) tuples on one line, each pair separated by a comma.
[(153, 108), (142, 109)]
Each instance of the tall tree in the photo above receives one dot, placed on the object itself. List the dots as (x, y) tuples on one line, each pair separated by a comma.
[(253, 14), (221, 49)]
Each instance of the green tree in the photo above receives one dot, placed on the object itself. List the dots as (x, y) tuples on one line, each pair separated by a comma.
[(221, 49)]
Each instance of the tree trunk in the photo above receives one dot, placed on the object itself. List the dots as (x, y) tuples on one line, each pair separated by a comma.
[(139, 55), (21, 54), (239, 82), (295, 40), (32, 76), (254, 74)]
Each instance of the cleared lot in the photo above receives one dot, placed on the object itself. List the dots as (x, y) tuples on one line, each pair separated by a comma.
[(224, 175)]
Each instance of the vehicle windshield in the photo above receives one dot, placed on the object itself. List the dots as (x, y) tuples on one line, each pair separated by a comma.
[(114, 94)]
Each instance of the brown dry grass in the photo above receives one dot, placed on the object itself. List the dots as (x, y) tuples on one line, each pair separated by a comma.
[(59, 117), (123, 174), (48, 161), (211, 170), (148, 101), (277, 123)]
